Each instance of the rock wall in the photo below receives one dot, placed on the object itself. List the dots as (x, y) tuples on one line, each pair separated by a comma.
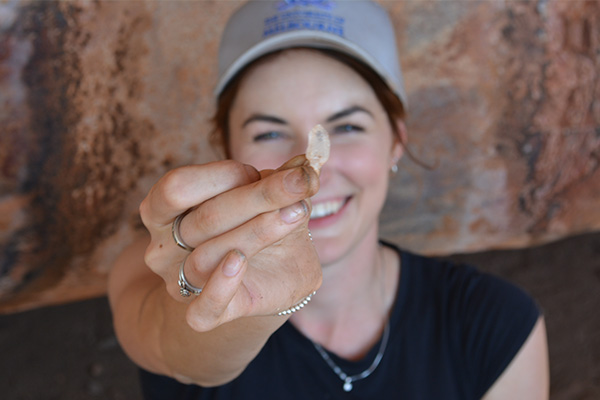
[(505, 97), (98, 99)]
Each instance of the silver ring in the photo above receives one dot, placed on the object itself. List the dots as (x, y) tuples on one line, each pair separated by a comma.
[(177, 235), (186, 289)]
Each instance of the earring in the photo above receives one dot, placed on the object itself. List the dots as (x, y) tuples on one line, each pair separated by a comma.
[(394, 169)]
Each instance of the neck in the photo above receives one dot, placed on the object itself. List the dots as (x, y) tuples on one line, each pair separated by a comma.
[(352, 280), (351, 308)]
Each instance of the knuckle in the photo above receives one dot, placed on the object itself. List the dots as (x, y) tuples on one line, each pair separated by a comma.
[(207, 219), (195, 262), (269, 196), (171, 187), (235, 173), (152, 256), (199, 266), (144, 210), (261, 230), (312, 180)]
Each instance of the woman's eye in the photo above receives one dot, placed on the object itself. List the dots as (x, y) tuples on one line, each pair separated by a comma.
[(347, 128), (267, 136)]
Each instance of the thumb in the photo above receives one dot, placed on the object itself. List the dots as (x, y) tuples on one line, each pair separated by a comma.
[(212, 307)]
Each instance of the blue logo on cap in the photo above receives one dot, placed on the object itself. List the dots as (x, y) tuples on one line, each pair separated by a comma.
[(292, 15), (322, 4)]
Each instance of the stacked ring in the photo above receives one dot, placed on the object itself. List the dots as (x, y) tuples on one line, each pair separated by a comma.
[(186, 289), (177, 235)]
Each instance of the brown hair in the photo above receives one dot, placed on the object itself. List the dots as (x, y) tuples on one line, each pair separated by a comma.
[(392, 105)]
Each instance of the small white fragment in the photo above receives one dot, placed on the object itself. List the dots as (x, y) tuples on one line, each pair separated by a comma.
[(317, 151)]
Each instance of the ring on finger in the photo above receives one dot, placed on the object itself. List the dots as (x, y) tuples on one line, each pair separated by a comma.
[(177, 235), (186, 289)]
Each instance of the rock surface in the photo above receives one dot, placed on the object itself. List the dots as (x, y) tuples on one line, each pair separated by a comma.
[(98, 99)]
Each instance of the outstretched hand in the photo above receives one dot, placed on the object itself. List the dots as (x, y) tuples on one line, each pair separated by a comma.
[(252, 252)]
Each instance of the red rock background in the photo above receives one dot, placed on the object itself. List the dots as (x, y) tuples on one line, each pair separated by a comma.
[(505, 97), (98, 99)]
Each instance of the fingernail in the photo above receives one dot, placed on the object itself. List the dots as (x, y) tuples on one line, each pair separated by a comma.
[(293, 213), (295, 181), (252, 172), (233, 263)]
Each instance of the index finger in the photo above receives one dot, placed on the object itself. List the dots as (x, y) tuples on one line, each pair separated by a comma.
[(186, 187)]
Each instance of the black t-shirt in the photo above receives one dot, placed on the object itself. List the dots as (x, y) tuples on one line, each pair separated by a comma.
[(453, 331)]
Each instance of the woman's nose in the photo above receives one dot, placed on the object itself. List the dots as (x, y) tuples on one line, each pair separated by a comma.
[(300, 146), (331, 165)]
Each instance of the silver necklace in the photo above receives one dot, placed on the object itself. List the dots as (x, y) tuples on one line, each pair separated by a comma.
[(349, 379)]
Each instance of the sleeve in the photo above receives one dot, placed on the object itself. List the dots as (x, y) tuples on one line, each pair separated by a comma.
[(498, 318)]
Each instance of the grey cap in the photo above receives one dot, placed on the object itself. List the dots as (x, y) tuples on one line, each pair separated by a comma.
[(361, 29)]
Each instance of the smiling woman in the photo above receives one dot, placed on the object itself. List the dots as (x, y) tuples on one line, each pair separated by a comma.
[(385, 323), (354, 182)]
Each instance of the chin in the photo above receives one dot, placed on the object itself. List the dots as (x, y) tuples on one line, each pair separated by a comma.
[(330, 250)]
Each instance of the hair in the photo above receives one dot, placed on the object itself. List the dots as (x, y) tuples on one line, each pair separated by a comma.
[(392, 105)]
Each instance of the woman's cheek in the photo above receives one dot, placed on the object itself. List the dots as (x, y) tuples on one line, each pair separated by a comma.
[(366, 164)]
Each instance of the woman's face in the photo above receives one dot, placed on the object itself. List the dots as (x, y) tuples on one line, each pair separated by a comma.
[(277, 104)]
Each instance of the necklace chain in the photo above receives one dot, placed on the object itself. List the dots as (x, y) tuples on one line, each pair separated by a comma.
[(349, 379)]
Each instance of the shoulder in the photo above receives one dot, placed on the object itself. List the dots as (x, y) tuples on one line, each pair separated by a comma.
[(463, 285), (483, 319)]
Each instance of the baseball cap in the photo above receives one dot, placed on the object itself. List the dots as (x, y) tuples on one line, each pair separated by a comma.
[(361, 29)]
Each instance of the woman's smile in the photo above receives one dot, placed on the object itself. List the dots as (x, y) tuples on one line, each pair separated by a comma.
[(327, 213), (326, 208)]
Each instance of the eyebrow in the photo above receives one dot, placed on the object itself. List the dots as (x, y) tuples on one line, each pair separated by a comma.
[(264, 118), (348, 111), (338, 115)]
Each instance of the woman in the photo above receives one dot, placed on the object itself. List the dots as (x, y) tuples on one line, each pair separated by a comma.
[(211, 313)]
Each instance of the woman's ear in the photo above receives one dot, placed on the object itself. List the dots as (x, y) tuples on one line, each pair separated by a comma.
[(400, 140)]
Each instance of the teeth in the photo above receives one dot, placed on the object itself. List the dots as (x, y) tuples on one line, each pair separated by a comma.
[(324, 209)]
